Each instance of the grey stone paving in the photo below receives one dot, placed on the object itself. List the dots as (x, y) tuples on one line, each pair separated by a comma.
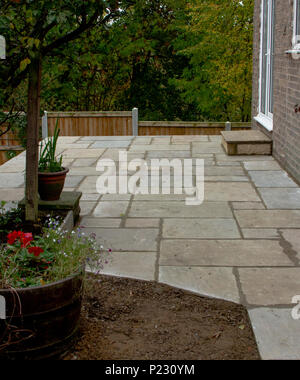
[(271, 178), (277, 333), (283, 198), (242, 244)]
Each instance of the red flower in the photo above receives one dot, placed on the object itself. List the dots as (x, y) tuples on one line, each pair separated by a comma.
[(26, 239), (36, 251), (12, 237)]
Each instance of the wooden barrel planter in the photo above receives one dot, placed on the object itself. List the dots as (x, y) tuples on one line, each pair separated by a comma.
[(40, 321)]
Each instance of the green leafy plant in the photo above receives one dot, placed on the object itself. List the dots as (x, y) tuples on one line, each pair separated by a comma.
[(27, 261), (48, 161), (9, 217)]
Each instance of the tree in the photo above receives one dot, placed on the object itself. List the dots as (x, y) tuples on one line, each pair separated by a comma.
[(114, 73), (34, 30), (218, 42)]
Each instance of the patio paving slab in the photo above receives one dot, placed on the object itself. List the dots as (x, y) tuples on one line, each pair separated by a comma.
[(293, 237), (248, 206), (86, 207), (84, 171), (116, 197), (224, 171), (169, 155), (226, 179), (90, 197), (271, 179), (223, 157), (11, 180), (228, 163), (84, 162), (142, 140), (283, 198), (73, 180), (200, 229), (188, 139), (11, 194), (211, 282), (230, 191), (17, 166), (100, 222), (179, 210), (160, 197), (106, 138), (260, 233), (110, 209), (160, 147), (83, 153), (137, 265), (268, 218), (88, 185), (223, 253), (269, 286), (161, 140), (276, 333), (113, 154), (261, 165), (127, 239), (206, 147), (142, 223), (62, 147), (68, 139), (111, 144)]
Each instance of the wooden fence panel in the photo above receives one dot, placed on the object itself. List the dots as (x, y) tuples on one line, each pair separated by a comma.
[(168, 128), (91, 123)]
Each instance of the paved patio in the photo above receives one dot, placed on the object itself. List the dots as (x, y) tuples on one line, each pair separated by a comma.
[(242, 244)]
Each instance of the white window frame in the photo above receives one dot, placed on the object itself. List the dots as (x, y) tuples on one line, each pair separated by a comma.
[(296, 34), (295, 51), (265, 118)]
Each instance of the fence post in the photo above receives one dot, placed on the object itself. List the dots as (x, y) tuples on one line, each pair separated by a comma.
[(228, 126), (135, 122), (45, 125)]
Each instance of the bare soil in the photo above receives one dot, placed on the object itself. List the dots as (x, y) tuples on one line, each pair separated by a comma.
[(127, 319)]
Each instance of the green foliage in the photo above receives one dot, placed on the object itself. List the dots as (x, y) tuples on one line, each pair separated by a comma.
[(106, 72), (8, 217), (19, 125), (218, 42), (35, 29), (173, 59), (48, 161)]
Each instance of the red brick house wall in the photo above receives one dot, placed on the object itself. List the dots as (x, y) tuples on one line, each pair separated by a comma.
[(286, 122)]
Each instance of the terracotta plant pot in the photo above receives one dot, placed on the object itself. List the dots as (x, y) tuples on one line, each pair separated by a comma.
[(42, 321), (51, 185)]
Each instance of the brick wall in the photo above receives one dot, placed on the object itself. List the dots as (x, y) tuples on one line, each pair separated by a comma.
[(286, 123)]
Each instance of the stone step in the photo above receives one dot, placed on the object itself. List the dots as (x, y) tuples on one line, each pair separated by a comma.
[(246, 143)]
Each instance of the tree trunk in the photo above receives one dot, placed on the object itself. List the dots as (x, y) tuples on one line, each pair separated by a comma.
[(32, 147)]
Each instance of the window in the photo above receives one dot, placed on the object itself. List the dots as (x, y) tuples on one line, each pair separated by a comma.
[(296, 23), (265, 116)]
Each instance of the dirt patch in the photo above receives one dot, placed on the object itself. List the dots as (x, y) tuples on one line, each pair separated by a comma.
[(136, 320)]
